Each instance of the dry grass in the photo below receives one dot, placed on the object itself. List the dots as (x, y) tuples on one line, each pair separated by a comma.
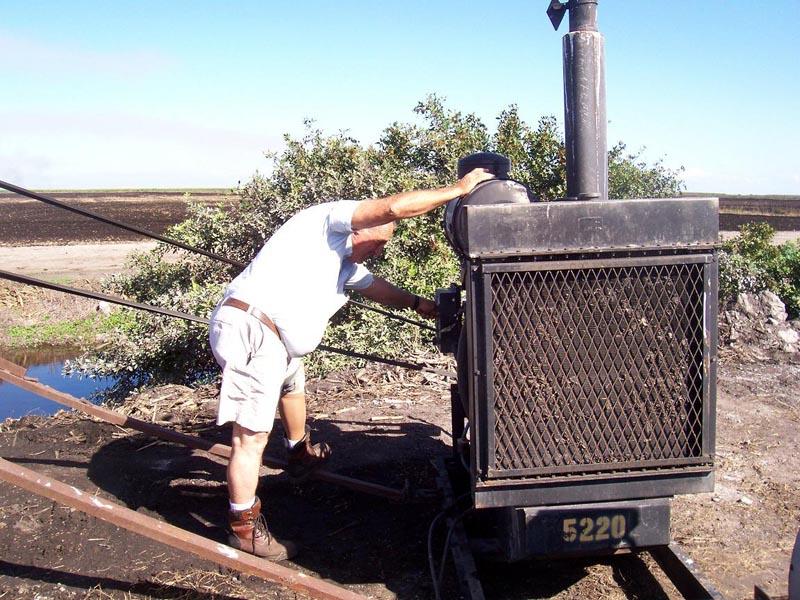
[(192, 584), (172, 405), (24, 307), (392, 386)]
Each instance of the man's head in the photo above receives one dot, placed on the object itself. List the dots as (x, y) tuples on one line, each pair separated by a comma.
[(370, 242)]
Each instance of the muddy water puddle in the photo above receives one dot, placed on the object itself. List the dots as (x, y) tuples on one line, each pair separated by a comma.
[(45, 365)]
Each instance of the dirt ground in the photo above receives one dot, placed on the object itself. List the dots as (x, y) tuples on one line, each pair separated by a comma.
[(67, 263), (385, 426), (31, 222)]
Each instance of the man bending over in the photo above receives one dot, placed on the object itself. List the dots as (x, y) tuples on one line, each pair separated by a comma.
[(276, 311)]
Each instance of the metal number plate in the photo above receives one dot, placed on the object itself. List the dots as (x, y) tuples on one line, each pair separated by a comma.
[(585, 528), (599, 528)]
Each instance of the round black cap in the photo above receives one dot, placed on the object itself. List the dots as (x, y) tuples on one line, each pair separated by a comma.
[(497, 164)]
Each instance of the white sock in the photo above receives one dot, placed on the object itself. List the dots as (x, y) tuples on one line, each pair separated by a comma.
[(292, 443), (243, 505)]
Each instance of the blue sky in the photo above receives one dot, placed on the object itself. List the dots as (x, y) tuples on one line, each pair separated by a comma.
[(191, 94)]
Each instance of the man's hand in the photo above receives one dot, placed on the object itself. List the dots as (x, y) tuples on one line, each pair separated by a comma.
[(468, 182), (370, 213), (427, 308)]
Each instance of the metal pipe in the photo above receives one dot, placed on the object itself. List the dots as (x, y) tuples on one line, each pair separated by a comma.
[(583, 15), (169, 534), (10, 373), (190, 317), (585, 121)]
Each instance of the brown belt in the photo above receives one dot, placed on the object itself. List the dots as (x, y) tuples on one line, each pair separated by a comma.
[(252, 310)]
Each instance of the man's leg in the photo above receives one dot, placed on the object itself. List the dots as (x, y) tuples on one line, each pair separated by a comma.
[(292, 407), (247, 449), (304, 457), (251, 360), (248, 527)]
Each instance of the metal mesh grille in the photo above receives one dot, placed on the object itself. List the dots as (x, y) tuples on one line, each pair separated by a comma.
[(597, 366)]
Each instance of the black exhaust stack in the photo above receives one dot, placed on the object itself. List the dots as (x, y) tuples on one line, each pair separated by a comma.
[(584, 99)]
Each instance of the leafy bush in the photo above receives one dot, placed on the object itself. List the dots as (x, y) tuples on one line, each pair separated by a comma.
[(631, 177), (751, 262), (317, 168)]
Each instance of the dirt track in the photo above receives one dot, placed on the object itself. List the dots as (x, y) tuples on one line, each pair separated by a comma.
[(48, 242), (71, 262)]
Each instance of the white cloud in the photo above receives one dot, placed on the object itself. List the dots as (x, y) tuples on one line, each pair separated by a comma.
[(127, 126), (121, 150), (34, 56)]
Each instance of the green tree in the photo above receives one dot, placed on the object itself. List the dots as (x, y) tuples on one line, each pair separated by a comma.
[(316, 168), (538, 158), (629, 176)]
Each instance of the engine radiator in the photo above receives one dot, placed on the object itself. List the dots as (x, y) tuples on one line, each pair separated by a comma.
[(591, 370)]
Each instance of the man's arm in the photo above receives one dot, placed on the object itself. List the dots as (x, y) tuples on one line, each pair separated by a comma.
[(390, 295), (370, 213)]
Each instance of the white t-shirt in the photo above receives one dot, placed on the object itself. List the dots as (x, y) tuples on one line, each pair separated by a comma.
[(298, 278)]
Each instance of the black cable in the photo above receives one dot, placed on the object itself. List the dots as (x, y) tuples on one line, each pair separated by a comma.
[(431, 565), (190, 317), (419, 324), (387, 361), (144, 232), (93, 215), (100, 296), (450, 530)]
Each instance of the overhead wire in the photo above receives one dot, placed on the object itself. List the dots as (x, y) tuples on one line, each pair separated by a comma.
[(167, 240), (132, 228), (24, 279)]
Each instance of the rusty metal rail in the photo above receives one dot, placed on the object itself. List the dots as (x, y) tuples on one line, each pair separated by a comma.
[(171, 535), (15, 375), (684, 573)]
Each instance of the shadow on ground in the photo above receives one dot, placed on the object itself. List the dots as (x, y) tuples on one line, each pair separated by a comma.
[(347, 537)]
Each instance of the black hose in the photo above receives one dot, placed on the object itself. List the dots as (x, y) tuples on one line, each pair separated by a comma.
[(435, 580), (93, 215), (24, 279), (393, 315), (144, 232)]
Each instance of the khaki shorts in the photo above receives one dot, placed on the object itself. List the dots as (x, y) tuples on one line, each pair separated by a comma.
[(256, 371)]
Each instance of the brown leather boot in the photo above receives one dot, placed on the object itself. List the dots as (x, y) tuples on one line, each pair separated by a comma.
[(305, 458), (249, 533)]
